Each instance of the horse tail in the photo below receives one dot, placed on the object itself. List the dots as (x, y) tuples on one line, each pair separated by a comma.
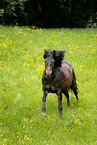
[(74, 84)]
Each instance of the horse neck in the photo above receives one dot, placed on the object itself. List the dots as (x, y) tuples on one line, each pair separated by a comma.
[(58, 63)]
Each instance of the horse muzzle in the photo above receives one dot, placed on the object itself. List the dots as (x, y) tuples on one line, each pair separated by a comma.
[(48, 73)]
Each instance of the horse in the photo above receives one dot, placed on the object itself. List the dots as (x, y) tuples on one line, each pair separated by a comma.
[(58, 77)]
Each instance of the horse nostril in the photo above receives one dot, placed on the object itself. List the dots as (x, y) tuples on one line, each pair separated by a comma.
[(46, 72), (50, 72)]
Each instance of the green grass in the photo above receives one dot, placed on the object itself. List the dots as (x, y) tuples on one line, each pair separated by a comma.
[(22, 65)]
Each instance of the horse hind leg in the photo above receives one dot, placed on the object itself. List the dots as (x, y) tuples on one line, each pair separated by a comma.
[(67, 96), (60, 103)]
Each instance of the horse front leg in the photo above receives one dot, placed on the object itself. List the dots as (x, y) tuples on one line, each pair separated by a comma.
[(60, 103), (44, 100)]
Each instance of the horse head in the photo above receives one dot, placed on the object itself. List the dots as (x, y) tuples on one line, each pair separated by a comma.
[(52, 59), (49, 62)]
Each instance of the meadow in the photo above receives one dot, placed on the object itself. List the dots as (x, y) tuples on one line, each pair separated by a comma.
[(21, 68)]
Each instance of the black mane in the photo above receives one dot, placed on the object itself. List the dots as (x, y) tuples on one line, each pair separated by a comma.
[(58, 57)]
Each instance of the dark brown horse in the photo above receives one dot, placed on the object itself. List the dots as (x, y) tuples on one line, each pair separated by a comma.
[(58, 77)]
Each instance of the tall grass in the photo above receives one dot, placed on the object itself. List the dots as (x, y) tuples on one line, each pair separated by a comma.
[(22, 65)]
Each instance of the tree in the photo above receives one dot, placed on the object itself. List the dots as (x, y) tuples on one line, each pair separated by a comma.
[(48, 13), (13, 11)]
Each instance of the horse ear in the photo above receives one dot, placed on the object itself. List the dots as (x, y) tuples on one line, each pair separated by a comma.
[(54, 52), (44, 51), (44, 56)]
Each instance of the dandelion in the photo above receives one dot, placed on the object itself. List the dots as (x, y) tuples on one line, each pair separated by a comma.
[(65, 128), (24, 79)]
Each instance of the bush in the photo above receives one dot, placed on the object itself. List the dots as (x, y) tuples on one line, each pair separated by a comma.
[(48, 13)]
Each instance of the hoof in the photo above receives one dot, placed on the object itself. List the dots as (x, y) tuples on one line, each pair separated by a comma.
[(43, 113), (60, 117)]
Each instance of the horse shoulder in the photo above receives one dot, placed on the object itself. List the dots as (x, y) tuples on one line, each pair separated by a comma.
[(67, 69)]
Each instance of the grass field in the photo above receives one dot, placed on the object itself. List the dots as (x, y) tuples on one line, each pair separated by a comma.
[(21, 68)]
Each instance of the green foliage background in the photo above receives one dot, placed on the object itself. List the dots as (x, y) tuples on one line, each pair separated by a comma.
[(48, 13), (22, 65)]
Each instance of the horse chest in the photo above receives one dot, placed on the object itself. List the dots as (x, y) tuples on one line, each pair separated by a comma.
[(50, 87), (53, 88)]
